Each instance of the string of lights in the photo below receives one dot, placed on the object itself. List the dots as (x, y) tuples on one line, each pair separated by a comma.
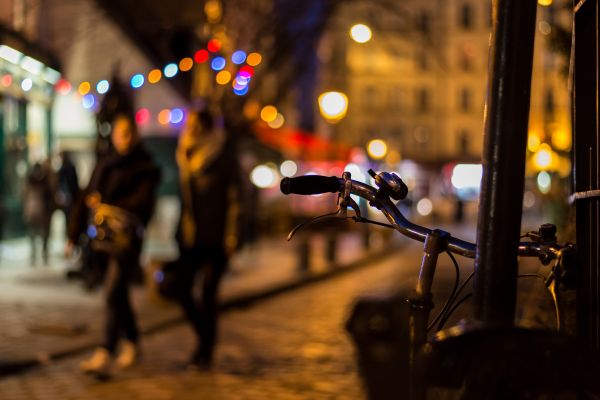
[(237, 70)]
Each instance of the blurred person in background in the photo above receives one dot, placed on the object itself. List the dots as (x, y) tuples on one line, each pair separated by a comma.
[(67, 185), (124, 183), (38, 206), (208, 229)]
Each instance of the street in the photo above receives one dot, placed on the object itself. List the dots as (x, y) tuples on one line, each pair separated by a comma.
[(292, 346), (289, 346)]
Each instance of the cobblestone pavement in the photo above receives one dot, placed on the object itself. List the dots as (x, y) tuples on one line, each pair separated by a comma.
[(292, 346), (43, 315)]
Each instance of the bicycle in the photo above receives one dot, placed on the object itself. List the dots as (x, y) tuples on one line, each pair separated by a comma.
[(399, 358)]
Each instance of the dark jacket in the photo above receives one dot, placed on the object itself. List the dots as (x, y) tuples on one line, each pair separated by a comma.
[(125, 181), (212, 199), (38, 196)]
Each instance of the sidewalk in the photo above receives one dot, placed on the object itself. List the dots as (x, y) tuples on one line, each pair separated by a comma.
[(45, 316)]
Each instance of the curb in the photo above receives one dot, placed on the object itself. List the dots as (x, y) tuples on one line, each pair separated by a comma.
[(247, 300)]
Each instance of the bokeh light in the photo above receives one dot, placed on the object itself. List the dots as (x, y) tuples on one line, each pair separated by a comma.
[(176, 116), (424, 206), (170, 70), (102, 86), (533, 141), (218, 63), (164, 116), (268, 113), (63, 87), (238, 57), (544, 182), (333, 105), (288, 168), (7, 80), (142, 116), (223, 77), (263, 177), (241, 92), (377, 149), (543, 157), (253, 59), (214, 45), (561, 140), (88, 101), (154, 76), (137, 81), (201, 56), (360, 33), (186, 64), (247, 71), (84, 88), (277, 122), (26, 84)]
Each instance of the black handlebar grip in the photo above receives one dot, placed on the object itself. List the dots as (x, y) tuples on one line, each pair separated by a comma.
[(310, 184)]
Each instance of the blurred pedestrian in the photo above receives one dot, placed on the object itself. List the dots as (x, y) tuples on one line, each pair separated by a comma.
[(38, 206), (67, 185), (122, 187), (207, 232)]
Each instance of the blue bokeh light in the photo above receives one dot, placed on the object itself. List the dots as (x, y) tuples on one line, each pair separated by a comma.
[(177, 115), (241, 92), (137, 81), (218, 63), (88, 101), (238, 57)]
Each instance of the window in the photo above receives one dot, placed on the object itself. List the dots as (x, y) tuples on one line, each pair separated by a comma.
[(466, 16), (463, 141), (423, 100), (465, 100)]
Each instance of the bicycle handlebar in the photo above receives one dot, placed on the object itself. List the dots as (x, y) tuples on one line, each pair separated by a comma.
[(317, 184), (310, 184)]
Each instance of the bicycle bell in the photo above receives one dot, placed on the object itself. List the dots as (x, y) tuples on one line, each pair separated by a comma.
[(390, 184)]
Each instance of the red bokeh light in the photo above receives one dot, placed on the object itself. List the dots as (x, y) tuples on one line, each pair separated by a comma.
[(7, 80), (213, 45), (63, 87), (142, 116), (201, 56), (246, 69)]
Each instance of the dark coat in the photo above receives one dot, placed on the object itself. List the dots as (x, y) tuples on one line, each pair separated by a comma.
[(211, 197), (38, 197), (125, 181)]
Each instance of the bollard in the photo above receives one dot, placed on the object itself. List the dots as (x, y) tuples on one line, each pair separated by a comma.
[(330, 248), (303, 253)]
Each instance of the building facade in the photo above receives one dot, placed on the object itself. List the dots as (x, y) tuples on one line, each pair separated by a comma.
[(420, 83)]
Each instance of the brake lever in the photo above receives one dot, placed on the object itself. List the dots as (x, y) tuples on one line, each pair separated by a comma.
[(344, 201)]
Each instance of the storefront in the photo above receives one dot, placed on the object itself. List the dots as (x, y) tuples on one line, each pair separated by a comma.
[(27, 79)]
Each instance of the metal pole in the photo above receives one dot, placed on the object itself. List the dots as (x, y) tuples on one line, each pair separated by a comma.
[(586, 129), (506, 118)]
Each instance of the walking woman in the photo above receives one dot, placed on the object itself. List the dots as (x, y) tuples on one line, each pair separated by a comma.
[(123, 185), (207, 234)]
